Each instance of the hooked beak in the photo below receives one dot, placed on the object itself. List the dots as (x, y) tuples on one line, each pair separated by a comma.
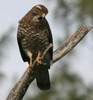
[(43, 15)]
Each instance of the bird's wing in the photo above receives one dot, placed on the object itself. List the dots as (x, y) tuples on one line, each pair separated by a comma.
[(49, 34), (23, 54)]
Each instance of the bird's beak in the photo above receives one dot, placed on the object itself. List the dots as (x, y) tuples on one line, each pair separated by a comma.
[(43, 15)]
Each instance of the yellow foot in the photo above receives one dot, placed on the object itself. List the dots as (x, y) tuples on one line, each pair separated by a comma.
[(31, 60), (30, 63), (38, 58)]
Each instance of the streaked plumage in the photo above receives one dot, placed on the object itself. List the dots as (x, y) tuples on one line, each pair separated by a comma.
[(34, 35)]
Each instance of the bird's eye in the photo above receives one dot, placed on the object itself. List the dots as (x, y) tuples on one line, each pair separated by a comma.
[(38, 10)]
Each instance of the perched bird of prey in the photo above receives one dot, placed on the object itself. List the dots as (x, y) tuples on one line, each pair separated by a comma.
[(33, 36)]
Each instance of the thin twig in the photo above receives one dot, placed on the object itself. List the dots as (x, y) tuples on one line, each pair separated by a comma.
[(47, 49), (19, 90)]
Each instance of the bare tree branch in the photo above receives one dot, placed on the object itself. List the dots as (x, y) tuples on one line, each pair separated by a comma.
[(70, 43), (19, 90)]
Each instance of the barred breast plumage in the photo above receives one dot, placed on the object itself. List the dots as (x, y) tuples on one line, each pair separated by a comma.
[(34, 39)]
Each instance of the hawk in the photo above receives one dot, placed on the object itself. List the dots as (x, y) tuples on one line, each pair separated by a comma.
[(33, 36)]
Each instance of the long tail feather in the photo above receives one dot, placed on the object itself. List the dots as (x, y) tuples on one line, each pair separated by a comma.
[(42, 77)]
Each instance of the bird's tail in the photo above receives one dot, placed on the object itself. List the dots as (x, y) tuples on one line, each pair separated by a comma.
[(42, 77)]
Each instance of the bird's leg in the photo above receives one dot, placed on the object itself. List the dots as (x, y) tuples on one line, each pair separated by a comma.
[(31, 59), (38, 58)]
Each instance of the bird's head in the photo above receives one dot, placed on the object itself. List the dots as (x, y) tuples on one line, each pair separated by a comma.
[(36, 14)]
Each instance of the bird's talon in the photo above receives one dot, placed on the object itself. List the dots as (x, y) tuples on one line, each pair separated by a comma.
[(30, 64), (38, 58)]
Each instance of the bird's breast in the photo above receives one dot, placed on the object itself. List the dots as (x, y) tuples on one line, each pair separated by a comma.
[(35, 41)]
